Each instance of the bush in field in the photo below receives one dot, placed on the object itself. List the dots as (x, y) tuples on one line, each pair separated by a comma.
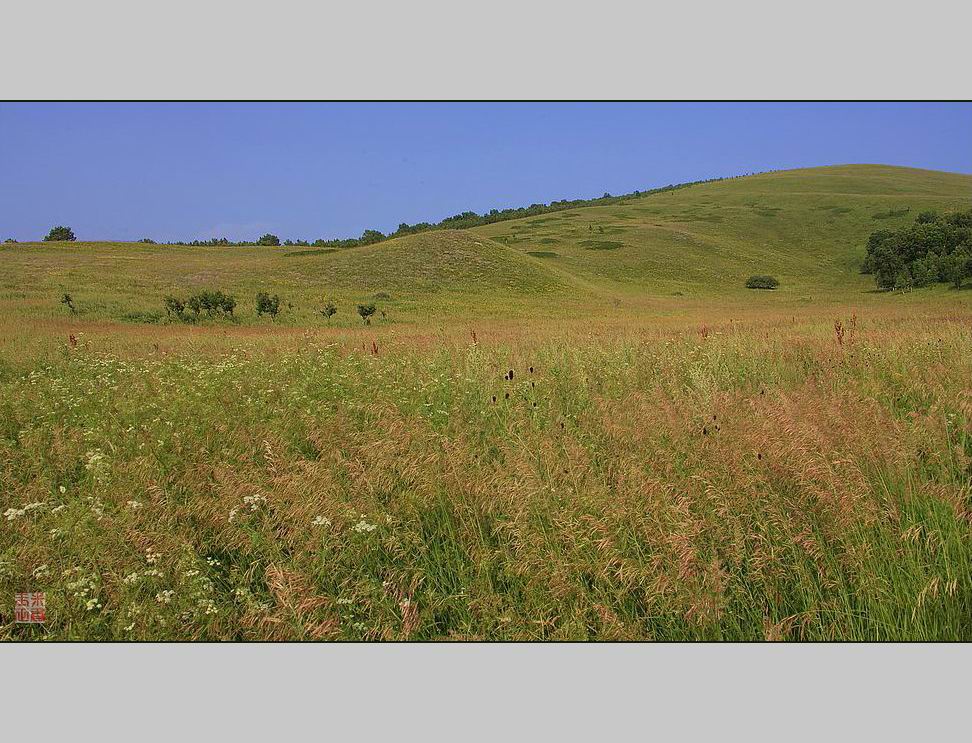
[(147, 241), (68, 301), (213, 303), (328, 309), (175, 307), (366, 311), (10, 240), (267, 305), (60, 234), (762, 281), (268, 239)]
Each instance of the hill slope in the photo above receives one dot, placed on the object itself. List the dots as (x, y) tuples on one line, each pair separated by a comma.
[(447, 260), (806, 226)]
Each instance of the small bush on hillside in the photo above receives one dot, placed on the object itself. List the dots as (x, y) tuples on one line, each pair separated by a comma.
[(60, 234), (174, 307), (762, 281), (213, 303), (328, 309), (366, 311), (267, 305), (68, 301)]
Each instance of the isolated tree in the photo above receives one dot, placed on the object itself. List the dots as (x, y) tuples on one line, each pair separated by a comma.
[(366, 311), (269, 239), (328, 309), (60, 234)]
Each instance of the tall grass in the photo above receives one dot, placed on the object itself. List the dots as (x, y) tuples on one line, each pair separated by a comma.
[(747, 483)]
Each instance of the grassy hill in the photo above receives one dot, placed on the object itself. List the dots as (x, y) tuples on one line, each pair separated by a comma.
[(660, 254), (807, 227)]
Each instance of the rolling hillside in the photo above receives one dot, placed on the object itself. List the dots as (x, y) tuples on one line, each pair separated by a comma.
[(808, 227)]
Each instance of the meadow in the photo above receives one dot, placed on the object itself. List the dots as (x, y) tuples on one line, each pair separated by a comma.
[(575, 427)]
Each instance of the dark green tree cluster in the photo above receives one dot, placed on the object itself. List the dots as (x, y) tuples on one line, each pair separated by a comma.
[(933, 249)]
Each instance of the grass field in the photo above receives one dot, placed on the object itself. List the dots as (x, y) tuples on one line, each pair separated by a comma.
[(675, 456)]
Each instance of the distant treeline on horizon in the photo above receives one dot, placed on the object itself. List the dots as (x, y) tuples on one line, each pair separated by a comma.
[(462, 221)]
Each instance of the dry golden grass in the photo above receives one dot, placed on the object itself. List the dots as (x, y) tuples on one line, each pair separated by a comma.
[(755, 478)]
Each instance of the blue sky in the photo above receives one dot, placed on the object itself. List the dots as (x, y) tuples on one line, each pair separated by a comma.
[(309, 170)]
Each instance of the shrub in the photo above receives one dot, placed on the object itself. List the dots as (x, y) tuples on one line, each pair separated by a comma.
[(214, 303), (68, 301), (926, 217), (147, 241), (10, 240), (268, 239), (267, 305), (762, 281), (60, 234), (366, 311), (328, 309), (175, 307)]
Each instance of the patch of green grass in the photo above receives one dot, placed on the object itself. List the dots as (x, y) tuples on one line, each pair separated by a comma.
[(601, 244), (891, 213), (308, 253)]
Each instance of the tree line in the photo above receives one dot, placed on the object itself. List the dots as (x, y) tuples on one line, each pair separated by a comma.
[(933, 249), (462, 221)]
